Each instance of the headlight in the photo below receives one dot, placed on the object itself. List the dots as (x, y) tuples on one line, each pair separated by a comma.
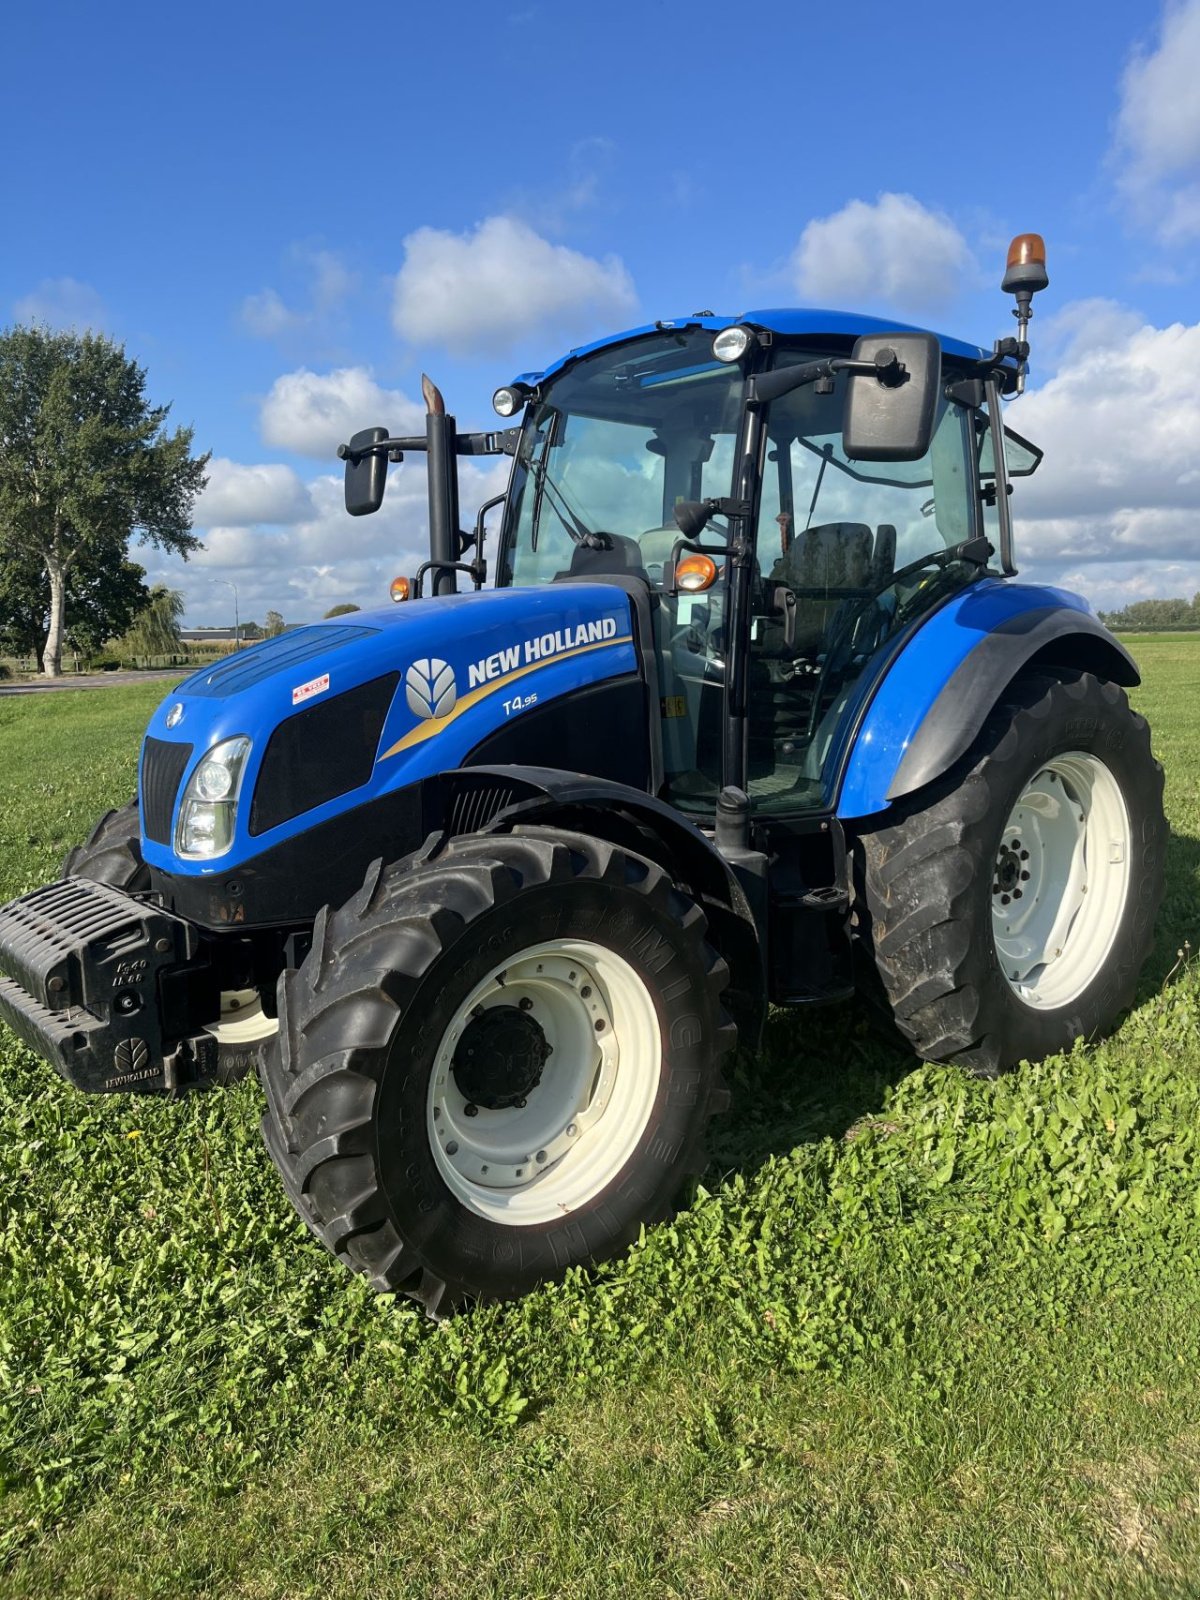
[(209, 810)]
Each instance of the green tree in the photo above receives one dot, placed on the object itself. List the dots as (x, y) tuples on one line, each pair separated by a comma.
[(274, 625), (85, 463), (103, 598), (155, 632), (343, 610)]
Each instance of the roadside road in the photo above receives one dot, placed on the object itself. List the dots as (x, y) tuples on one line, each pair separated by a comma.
[(92, 680)]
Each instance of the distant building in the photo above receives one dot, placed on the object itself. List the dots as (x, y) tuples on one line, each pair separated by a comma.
[(208, 635)]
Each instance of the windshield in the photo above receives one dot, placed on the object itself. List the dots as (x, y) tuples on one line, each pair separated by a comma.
[(620, 438)]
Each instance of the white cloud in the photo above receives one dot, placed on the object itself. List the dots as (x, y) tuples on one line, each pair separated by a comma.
[(312, 413), (485, 290), (1158, 127), (305, 567), (328, 282), (1119, 490), (63, 303), (895, 252), (238, 496)]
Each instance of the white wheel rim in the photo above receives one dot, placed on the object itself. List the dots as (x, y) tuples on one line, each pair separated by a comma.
[(579, 1125), (1061, 880), (243, 1022)]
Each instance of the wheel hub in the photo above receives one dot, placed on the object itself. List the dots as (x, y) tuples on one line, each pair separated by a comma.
[(499, 1059), (1060, 879)]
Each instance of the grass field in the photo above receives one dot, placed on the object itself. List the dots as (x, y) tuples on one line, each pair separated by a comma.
[(915, 1336)]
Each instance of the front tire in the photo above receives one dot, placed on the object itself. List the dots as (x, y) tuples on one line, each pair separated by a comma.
[(1008, 909), (497, 1066)]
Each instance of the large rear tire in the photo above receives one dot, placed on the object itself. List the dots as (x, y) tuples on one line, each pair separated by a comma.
[(1008, 909), (496, 1066), (113, 855)]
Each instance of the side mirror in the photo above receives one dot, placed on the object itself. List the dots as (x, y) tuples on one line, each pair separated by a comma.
[(889, 412), (366, 475)]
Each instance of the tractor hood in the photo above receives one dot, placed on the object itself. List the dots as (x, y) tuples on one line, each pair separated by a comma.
[(344, 711)]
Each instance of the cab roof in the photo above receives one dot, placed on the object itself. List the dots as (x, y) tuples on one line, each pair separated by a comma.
[(788, 322)]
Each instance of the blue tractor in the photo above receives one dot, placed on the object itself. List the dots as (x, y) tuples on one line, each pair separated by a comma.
[(488, 885)]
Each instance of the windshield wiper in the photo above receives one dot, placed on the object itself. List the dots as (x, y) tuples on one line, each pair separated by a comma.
[(575, 526)]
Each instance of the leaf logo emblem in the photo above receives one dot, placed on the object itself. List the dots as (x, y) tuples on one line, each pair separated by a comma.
[(430, 689)]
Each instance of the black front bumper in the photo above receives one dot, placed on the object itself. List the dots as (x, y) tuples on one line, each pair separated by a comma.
[(106, 988)]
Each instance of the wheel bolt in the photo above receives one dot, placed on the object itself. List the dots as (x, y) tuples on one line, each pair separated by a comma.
[(1024, 855), (452, 1148), (1004, 899), (525, 1003), (599, 1024), (521, 1105), (1016, 894), (572, 1130), (1024, 877), (470, 1110), (541, 1155), (586, 992)]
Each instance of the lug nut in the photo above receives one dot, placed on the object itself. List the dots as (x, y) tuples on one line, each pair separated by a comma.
[(541, 1155), (452, 1148), (1004, 899), (162, 946), (470, 1110), (525, 1003), (586, 992), (599, 1024), (1024, 877), (572, 1130)]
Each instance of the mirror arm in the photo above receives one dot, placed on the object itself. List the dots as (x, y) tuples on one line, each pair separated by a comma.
[(393, 448), (767, 386), (501, 443), (475, 570)]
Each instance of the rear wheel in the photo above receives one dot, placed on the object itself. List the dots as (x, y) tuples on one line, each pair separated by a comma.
[(497, 1066), (113, 855), (1009, 909)]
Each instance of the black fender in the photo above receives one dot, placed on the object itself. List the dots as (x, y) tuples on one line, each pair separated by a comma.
[(499, 799)]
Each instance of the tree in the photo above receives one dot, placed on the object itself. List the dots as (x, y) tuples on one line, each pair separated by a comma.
[(155, 631), (85, 463), (343, 610), (102, 601), (274, 625)]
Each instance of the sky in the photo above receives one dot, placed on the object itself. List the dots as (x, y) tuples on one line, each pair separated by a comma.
[(287, 212)]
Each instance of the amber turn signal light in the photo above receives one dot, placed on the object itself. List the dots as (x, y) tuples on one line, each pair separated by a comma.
[(401, 589), (695, 574)]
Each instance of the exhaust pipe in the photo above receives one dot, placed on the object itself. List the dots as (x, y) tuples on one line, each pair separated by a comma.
[(441, 435)]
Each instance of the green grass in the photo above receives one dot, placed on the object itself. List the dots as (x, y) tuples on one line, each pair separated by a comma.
[(915, 1335)]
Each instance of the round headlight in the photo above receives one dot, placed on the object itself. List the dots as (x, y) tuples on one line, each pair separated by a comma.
[(507, 402), (731, 344), (213, 780)]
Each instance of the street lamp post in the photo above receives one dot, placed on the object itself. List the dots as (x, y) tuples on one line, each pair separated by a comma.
[(237, 626)]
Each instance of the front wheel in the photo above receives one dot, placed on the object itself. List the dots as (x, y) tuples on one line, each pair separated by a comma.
[(1008, 910), (496, 1066)]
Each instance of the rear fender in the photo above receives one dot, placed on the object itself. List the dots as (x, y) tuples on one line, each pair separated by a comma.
[(935, 697)]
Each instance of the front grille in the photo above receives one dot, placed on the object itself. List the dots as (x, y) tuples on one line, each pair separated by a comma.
[(320, 753), (163, 765)]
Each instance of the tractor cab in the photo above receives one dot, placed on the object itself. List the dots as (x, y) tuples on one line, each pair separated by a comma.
[(817, 550)]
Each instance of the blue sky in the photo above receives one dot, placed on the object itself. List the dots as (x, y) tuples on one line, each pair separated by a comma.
[(288, 212)]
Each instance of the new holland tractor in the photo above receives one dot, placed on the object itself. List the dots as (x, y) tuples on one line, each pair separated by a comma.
[(488, 884)]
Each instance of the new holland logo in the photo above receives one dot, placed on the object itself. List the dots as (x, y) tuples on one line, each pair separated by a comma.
[(430, 688)]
